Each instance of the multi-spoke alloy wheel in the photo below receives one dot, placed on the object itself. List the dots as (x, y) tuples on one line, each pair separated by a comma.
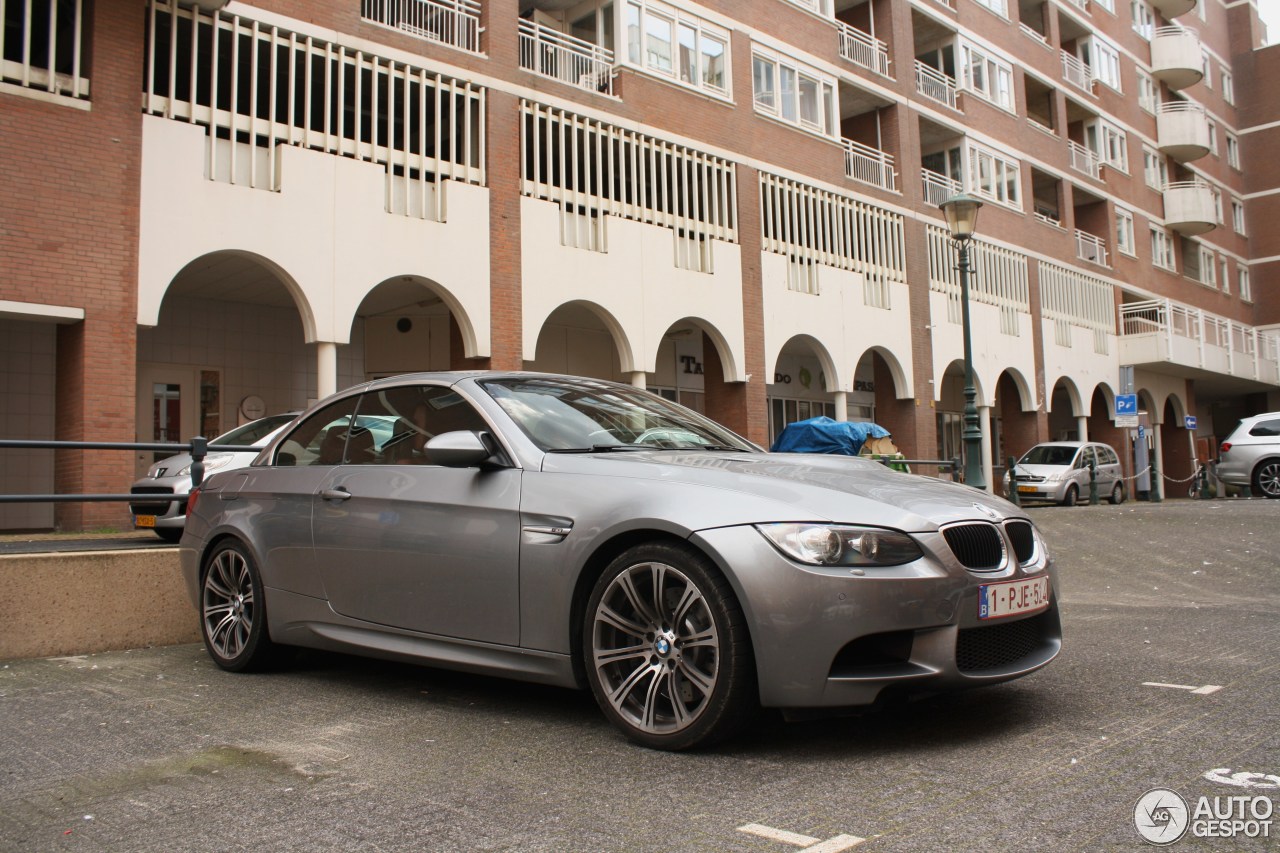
[(665, 648), (1266, 478), (231, 611)]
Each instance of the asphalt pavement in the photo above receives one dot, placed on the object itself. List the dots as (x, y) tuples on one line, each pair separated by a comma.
[(158, 750)]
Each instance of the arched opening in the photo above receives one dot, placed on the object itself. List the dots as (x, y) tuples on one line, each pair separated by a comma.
[(583, 340), (1176, 448), (1015, 427), (1066, 412), (950, 412), (802, 387), (406, 325)]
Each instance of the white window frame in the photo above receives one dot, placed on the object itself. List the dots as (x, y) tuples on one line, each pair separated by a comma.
[(789, 107), (1162, 250), (1213, 137), (999, 7), (1143, 18), (1228, 85), (1217, 205), (819, 7), (1155, 169), (1003, 171), (1109, 143), (1233, 149), (1226, 279), (639, 15), (1243, 285), (1148, 92), (1237, 216), (1208, 267), (1125, 242), (996, 85), (1207, 65), (1103, 60)]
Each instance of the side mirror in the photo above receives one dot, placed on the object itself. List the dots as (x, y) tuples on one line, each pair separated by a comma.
[(460, 449)]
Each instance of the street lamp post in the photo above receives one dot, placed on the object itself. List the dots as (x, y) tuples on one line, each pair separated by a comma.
[(962, 217)]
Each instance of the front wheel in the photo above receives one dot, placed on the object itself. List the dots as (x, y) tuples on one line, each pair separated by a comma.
[(1072, 495), (1266, 478), (666, 649), (1117, 494), (232, 611)]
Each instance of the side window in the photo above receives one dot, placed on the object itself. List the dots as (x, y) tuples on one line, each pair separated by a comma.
[(1266, 428), (321, 439), (401, 420), (1107, 456), (1086, 456)]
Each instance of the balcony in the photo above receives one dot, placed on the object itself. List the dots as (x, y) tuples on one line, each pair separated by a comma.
[(1162, 332), (452, 22), (935, 85), (1176, 60), (863, 50), (1189, 207), (551, 53), (1171, 9), (1077, 73), (1182, 130), (1084, 160), (938, 188), (1091, 248), (866, 164)]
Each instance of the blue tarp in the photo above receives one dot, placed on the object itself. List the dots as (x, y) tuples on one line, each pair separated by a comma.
[(824, 435)]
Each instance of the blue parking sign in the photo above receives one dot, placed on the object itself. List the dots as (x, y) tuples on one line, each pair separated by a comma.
[(1126, 404)]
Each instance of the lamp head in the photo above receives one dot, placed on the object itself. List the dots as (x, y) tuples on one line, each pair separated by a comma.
[(961, 211)]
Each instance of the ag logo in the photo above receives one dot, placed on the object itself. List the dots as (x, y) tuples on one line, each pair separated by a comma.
[(1161, 816)]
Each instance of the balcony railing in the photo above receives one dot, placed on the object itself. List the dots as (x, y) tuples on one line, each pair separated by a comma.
[(1035, 35), (863, 49), (43, 47), (938, 188), (1091, 248), (869, 165), (451, 22), (1084, 160), (566, 58), (935, 85), (1077, 73), (1160, 330), (1082, 5)]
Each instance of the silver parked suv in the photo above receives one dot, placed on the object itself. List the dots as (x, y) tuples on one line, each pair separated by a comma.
[(1251, 455), (1058, 472)]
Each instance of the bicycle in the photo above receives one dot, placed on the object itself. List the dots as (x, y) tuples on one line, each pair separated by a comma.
[(1199, 481)]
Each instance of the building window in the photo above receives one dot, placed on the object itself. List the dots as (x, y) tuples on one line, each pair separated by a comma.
[(989, 78), (1226, 282), (1109, 143), (793, 93), (1148, 93), (1103, 60), (1000, 7), (1217, 205), (1162, 249), (44, 45), (1242, 281), (1233, 150), (822, 7), (995, 176), (1208, 70), (679, 46), (1237, 215), (1124, 232), (1228, 86), (1155, 170), (1144, 20), (1213, 137)]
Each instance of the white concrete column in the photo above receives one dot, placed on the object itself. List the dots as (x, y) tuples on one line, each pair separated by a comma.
[(1082, 428), (1157, 483), (841, 402), (984, 423), (639, 379), (326, 368)]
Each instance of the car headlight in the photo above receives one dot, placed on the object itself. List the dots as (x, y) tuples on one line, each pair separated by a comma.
[(211, 463), (841, 545)]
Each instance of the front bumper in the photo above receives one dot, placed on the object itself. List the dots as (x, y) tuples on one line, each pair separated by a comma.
[(826, 638), (163, 499)]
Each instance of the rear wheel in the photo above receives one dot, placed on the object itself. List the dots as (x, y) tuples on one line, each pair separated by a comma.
[(666, 649), (1266, 478), (232, 611), (1117, 494), (1072, 495)]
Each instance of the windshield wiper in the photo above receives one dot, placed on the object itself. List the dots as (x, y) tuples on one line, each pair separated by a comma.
[(599, 448)]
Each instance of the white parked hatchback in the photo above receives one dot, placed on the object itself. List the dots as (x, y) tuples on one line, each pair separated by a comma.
[(1058, 472)]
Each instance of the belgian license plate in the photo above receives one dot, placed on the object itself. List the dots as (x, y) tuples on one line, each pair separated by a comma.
[(144, 521), (1012, 597), (1026, 489)]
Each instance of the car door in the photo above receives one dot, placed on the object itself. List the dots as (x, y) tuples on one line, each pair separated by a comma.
[(1080, 475), (403, 542)]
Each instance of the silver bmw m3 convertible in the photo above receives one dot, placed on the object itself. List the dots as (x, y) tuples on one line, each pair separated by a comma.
[(583, 533)]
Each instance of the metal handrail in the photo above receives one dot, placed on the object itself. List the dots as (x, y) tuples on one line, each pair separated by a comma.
[(198, 447)]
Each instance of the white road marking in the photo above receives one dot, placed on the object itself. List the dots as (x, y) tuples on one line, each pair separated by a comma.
[(807, 842), (1243, 778), (1199, 691)]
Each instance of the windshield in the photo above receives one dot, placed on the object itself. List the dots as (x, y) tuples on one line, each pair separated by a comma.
[(579, 415), (253, 431), (1050, 454)]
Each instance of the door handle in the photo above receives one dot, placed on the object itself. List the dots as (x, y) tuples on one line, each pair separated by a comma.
[(338, 494)]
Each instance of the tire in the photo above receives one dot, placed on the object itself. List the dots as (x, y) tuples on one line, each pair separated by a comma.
[(1072, 495), (1266, 478), (169, 534), (1117, 494), (666, 649), (233, 613)]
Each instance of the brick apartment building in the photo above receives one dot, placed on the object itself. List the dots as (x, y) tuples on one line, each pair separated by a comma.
[(216, 209)]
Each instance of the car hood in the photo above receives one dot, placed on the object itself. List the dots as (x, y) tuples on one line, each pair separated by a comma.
[(799, 487), (1042, 470)]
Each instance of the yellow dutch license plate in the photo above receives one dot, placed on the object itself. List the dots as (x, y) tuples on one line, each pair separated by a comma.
[(1022, 490), (144, 521)]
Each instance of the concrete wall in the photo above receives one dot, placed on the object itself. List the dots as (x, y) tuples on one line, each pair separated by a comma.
[(78, 603)]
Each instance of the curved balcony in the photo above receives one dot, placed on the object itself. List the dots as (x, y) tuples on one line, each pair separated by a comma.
[(1176, 60), (1171, 9), (1182, 130), (1188, 208)]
